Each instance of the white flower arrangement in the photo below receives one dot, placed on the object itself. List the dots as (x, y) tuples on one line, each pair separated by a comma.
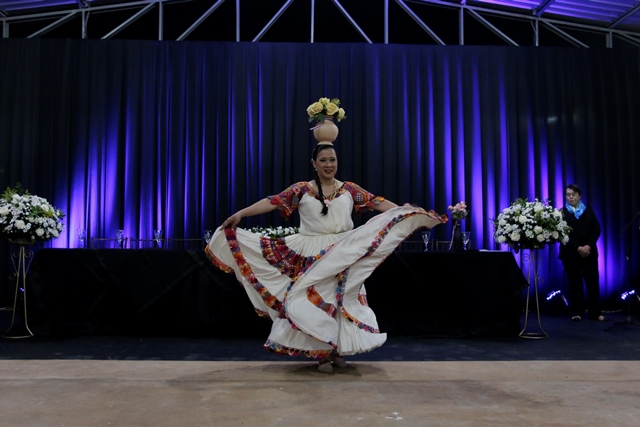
[(527, 225), (25, 216), (324, 108), (274, 232)]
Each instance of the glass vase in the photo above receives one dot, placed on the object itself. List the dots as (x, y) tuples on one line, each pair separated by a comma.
[(456, 237)]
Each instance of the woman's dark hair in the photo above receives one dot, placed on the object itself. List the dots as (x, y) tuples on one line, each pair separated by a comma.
[(574, 188), (314, 156)]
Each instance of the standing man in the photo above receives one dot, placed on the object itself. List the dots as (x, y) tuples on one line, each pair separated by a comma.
[(580, 256)]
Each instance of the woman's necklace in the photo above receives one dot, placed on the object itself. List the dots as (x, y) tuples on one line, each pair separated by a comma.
[(334, 193)]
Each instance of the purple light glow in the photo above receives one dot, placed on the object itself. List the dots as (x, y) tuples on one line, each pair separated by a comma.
[(445, 157), (447, 138), (476, 199), (430, 139)]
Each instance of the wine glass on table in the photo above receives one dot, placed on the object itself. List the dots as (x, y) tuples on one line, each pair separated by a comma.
[(466, 235), (82, 236), (120, 237), (157, 235), (426, 238)]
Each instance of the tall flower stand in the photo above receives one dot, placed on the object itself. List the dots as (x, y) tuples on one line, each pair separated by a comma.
[(530, 263), (21, 261)]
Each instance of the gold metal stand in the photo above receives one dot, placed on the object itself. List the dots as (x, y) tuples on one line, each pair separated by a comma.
[(531, 259), (21, 261)]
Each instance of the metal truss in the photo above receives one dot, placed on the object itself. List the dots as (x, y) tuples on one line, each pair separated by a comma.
[(152, 19)]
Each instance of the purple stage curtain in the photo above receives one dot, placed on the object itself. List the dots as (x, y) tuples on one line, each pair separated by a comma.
[(140, 135)]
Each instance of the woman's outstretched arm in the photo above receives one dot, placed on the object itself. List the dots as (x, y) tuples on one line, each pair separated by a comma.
[(384, 205), (259, 207)]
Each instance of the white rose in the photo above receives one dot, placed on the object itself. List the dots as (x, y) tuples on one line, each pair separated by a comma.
[(39, 232), (55, 233), (502, 239), (4, 210), (537, 229), (502, 222), (19, 224), (538, 207), (557, 214), (515, 236), (565, 240), (522, 219), (540, 237), (555, 235)]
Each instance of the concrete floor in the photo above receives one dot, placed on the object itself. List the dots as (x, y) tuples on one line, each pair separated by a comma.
[(123, 393)]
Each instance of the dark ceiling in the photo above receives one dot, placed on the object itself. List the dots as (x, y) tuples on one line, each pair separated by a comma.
[(580, 23)]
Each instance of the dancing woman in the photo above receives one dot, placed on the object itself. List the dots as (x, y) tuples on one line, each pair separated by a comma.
[(311, 284)]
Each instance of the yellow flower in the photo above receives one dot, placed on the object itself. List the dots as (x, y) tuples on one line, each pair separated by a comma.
[(331, 109), (315, 108), (324, 108)]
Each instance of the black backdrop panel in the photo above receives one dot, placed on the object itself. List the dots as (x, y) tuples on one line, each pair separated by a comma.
[(448, 293), (155, 291), (179, 293)]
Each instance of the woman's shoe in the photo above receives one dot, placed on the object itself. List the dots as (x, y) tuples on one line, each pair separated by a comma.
[(325, 366), (339, 361), (576, 318)]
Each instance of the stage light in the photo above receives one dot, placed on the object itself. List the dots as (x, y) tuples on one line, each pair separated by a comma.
[(554, 294), (628, 294)]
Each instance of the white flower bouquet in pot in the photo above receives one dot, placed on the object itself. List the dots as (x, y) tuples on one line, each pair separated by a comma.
[(28, 218)]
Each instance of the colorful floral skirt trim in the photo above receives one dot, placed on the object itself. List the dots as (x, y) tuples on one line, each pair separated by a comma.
[(317, 300)]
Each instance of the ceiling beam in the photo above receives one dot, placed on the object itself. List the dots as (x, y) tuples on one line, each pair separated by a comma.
[(420, 22), (407, 6), (574, 41), (627, 14), (129, 21), (491, 27)]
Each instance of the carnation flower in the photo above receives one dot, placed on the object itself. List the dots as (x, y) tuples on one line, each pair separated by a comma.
[(459, 210)]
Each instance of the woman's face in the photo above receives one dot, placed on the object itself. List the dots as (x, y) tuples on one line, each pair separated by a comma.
[(572, 197), (326, 163)]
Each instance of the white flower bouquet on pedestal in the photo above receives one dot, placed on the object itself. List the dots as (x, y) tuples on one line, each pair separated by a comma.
[(28, 218), (530, 225), (274, 232)]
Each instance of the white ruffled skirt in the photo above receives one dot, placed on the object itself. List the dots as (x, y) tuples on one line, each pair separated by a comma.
[(312, 287)]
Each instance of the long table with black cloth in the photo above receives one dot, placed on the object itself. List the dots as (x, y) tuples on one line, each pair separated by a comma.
[(163, 292)]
